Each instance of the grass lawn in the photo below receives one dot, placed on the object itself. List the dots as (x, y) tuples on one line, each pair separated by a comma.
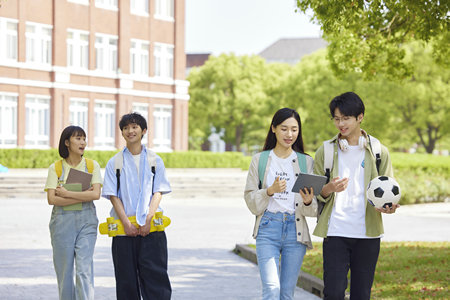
[(405, 270)]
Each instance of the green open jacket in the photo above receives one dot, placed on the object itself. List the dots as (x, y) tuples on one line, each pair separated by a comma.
[(374, 222)]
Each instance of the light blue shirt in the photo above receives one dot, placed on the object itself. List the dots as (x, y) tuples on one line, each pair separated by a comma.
[(135, 193)]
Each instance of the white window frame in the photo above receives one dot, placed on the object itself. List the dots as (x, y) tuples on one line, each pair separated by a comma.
[(162, 123), (107, 4), (77, 49), (142, 109), (163, 55), (105, 124), (8, 40), (82, 2), (38, 44), (140, 7), (37, 129), (165, 10), (106, 54), (79, 112), (8, 120), (139, 57)]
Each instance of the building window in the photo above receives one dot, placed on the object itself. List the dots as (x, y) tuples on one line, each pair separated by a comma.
[(105, 119), (106, 53), (163, 60), (139, 7), (139, 54), (37, 121), (77, 49), (8, 120), (164, 9), (107, 4), (38, 43), (8, 39), (163, 128), (142, 109), (79, 112)]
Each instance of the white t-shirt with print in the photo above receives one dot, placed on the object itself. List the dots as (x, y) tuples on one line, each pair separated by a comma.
[(348, 218), (281, 167)]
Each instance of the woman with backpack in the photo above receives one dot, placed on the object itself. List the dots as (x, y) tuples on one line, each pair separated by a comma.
[(73, 223), (281, 232)]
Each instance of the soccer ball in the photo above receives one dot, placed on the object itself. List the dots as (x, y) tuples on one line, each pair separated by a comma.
[(382, 191)]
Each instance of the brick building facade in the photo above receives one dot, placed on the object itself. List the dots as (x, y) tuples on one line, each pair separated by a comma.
[(88, 62)]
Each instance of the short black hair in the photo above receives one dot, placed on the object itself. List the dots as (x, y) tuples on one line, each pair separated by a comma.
[(133, 118), (66, 134), (349, 104)]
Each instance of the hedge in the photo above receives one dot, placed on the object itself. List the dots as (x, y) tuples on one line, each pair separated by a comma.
[(422, 177)]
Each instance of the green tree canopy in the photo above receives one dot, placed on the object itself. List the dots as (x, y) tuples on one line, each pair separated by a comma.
[(231, 92), (367, 35)]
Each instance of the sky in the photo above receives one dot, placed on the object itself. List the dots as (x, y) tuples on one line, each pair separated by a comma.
[(243, 26)]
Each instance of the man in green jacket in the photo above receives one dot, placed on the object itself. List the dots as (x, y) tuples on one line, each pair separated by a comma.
[(351, 229)]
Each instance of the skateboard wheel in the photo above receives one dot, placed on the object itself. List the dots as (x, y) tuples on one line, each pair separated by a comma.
[(158, 215), (159, 227), (112, 233), (110, 220)]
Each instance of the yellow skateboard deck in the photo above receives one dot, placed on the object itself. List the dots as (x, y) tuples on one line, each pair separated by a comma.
[(113, 227)]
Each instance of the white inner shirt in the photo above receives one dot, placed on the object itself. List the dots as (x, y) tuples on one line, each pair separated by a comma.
[(137, 160), (281, 167), (348, 218)]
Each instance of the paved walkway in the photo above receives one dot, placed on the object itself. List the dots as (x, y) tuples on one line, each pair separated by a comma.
[(203, 232)]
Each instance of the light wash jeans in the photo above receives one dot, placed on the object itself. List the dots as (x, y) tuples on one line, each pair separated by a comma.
[(277, 241), (73, 235)]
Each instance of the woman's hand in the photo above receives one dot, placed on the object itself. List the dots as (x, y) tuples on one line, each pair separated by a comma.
[(61, 191), (278, 186), (307, 195)]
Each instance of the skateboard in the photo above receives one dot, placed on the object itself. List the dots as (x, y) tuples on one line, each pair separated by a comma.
[(113, 227)]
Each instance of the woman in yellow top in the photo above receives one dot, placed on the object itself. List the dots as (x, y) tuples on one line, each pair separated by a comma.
[(73, 224)]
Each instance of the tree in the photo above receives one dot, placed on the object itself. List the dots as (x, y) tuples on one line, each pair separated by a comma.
[(423, 102), (229, 92), (367, 35)]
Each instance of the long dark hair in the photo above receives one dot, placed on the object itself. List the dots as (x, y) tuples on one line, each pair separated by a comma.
[(279, 117), (68, 132)]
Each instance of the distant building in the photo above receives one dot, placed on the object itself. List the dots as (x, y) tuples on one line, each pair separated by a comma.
[(291, 50), (195, 60), (88, 62)]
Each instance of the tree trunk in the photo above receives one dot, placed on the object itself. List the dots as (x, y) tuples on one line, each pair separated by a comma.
[(432, 135), (238, 137)]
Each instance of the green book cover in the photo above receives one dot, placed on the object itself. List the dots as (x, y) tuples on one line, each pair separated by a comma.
[(74, 187)]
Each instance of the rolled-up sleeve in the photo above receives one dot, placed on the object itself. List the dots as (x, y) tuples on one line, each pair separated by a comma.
[(161, 182), (110, 182)]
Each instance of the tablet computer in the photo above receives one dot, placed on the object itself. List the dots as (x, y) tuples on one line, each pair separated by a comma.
[(309, 180)]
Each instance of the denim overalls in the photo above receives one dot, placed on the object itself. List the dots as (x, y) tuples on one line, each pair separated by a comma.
[(73, 235)]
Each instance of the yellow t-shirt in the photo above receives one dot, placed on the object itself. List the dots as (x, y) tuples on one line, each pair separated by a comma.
[(52, 178)]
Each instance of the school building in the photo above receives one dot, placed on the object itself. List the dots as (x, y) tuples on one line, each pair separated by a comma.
[(88, 62)]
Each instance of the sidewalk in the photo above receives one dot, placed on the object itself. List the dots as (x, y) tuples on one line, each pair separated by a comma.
[(203, 232)]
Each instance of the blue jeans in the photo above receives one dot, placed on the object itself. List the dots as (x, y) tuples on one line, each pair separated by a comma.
[(277, 242), (73, 234)]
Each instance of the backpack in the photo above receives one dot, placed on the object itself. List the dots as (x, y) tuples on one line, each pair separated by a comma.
[(59, 169), (301, 158), (118, 164), (328, 156)]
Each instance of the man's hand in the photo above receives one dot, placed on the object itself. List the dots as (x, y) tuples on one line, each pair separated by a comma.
[(336, 185), (145, 229), (130, 229), (388, 210), (278, 186)]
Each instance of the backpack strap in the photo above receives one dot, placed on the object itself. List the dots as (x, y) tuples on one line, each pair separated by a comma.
[(118, 164), (375, 145), (328, 155), (263, 158), (302, 162), (89, 165), (59, 170)]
